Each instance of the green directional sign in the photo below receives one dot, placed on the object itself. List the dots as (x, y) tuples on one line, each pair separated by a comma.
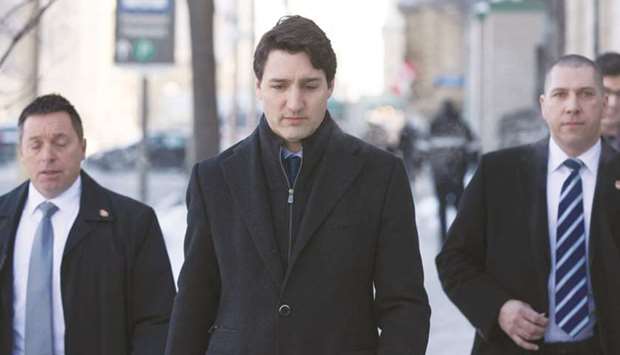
[(144, 32), (143, 50)]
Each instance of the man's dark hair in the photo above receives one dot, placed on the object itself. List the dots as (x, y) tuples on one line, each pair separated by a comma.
[(296, 34), (51, 103), (609, 63), (576, 61)]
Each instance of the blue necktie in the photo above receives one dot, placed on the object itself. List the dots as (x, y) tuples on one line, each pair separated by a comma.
[(292, 164), (39, 320), (571, 283)]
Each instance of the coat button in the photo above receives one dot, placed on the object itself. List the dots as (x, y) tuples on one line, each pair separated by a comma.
[(285, 310)]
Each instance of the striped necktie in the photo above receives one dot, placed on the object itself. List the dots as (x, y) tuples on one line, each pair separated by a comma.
[(571, 283)]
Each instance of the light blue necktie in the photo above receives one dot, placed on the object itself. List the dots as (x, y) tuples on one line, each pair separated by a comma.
[(39, 319), (571, 283)]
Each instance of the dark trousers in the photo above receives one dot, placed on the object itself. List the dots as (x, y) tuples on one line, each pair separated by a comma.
[(448, 193)]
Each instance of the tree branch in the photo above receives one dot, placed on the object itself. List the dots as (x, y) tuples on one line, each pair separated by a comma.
[(17, 96), (32, 23), (13, 10)]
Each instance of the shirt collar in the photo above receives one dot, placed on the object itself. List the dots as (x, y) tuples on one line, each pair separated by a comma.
[(285, 153), (590, 157), (65, 200)]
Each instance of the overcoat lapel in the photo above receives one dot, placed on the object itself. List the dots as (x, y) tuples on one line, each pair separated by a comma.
[(605, 216), (534, 181), (94, 209), (245, 178), (10, 213), (91, 205), (341, 165), (605, 208)]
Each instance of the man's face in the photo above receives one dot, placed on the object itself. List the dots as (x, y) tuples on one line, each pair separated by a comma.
[(611, 117), (573, 106), (51, 152), (294, 96)]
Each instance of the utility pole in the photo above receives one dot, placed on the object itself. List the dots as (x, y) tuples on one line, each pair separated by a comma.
[(234, 107), (251, 120), (481, 10), (596, 25), (143, 160)]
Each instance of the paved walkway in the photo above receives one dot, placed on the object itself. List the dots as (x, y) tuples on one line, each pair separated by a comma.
[(451, 333)]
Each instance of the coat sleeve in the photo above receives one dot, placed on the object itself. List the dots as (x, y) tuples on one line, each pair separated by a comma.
[(461, 264), (152, 289), (401, 303), (195, 306)]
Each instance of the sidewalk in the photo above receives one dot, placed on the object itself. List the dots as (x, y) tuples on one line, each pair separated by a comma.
[(451, 333)]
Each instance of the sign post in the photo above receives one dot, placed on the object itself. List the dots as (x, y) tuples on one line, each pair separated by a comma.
[(144, 38)]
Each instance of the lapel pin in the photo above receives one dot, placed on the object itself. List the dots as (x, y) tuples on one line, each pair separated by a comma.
[(617, 184), (104, 213)]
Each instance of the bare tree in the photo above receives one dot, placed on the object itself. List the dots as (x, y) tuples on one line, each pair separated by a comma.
[(206, 120), (28, 26)]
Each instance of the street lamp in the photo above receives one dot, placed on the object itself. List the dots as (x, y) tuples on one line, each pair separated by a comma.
[(481, 10)]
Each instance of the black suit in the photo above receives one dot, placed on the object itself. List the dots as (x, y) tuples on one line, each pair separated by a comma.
[(116, 283), (357, 230), (498, 246)]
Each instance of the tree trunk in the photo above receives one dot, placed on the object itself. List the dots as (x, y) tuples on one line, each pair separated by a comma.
[(206, 135)]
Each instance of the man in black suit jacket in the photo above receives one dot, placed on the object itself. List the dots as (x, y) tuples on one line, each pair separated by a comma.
[(532, 256), (301, 239), (110, 284)]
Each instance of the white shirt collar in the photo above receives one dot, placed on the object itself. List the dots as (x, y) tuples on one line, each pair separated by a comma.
[(590, 157), (63, 201)]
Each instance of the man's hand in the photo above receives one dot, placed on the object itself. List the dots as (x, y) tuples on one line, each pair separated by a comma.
[(522, 323)]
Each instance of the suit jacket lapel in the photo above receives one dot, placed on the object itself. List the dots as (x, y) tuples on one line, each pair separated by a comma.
[(10, 213), (534, 182), (246, 181), (341, 164), (94, 208)]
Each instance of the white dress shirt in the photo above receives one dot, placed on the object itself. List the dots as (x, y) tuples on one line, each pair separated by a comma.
[(68, 204), (556, 174)]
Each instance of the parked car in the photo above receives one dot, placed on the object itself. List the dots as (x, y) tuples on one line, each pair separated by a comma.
[(8, 143), (165, 150)]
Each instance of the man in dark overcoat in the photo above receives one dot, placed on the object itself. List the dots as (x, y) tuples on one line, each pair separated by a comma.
[(301, 239), (83, 270)]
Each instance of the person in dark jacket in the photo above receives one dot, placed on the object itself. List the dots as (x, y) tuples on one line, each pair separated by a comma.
[(301, 239), (83, 270), (409, 146), (532, 257), (610, 126), (450, 151)]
